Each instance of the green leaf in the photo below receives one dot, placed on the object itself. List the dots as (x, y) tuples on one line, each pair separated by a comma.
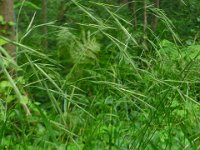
[(198, 19), (169, 49), (3, 42), (192, 52), (10, 23), (10, 98), (1, 19), (5, 84)]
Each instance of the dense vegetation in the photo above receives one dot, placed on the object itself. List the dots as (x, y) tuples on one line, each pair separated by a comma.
[(99, 74)]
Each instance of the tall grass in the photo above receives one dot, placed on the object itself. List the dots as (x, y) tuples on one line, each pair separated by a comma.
[(116, 95)]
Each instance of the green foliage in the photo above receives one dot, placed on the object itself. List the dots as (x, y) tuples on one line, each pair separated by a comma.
[(99, 84), (169, 50), (81, 49), (27, 4), (1, 20), (2, 42)]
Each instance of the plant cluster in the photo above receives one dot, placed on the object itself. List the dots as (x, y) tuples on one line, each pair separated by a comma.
[(101, 83)]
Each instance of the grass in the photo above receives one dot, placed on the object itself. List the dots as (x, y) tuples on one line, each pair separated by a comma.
[(117, 95)]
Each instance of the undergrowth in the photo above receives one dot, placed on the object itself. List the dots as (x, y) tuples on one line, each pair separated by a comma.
[(105, 89)]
